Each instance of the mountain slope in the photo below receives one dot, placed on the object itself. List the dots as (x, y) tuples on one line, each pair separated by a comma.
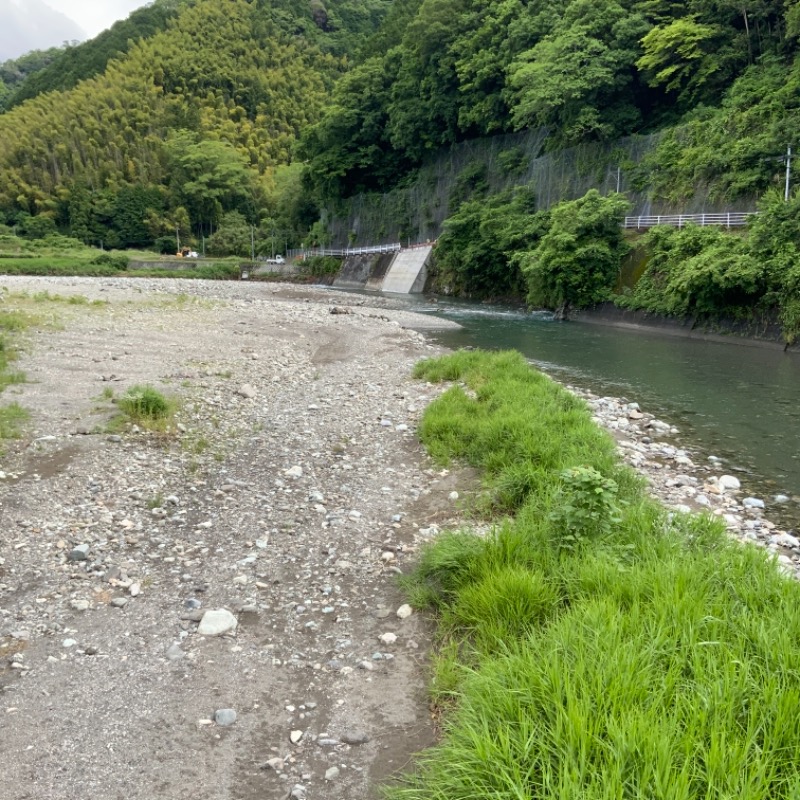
[(184, 127)]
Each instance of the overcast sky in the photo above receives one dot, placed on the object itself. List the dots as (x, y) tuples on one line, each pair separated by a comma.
[(95, 15)]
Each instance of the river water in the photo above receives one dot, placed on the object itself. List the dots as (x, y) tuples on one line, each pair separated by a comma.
[(737, 401)]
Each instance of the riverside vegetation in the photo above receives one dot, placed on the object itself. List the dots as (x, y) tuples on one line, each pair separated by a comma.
[(592, 645)]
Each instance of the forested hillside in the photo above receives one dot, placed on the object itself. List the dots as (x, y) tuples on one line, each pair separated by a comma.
[(722, 72), (191, 123)]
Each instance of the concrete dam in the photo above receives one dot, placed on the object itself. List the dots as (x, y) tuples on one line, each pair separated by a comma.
[(401, 272)]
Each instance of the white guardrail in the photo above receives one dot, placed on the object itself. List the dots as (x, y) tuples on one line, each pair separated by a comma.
[(727, 219), (346, 251)]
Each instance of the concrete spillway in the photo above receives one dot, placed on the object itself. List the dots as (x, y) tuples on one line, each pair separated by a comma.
[(408, 273), (401, 272)]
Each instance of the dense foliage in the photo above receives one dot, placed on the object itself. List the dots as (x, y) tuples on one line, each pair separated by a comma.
[(454, 69), (66, 67), (501, 246), (710, 273)]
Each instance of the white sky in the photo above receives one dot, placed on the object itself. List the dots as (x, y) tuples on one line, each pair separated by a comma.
[(95, 15)]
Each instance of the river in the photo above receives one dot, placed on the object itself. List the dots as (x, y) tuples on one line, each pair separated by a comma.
[(737, 401)]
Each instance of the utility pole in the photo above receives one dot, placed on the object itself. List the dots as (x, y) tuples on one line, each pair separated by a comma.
[(619, 174), (178, 237), (788, 172), (252, 243)]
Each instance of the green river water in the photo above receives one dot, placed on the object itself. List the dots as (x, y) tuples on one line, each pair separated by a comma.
[(737, 401)]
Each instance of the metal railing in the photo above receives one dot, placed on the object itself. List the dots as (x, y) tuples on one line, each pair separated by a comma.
[(344, 251), (727, 219)]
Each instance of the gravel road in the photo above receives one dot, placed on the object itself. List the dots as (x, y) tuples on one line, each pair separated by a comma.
[(286, 500)]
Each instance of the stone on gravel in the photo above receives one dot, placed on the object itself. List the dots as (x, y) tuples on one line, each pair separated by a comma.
[(225, 717), (332, 774), (388, 638), (727, 482), (175, 653), (753, 502), (79, 553), (355, 737), (246, 391), (216, 622), (295, 736), (405, 611)]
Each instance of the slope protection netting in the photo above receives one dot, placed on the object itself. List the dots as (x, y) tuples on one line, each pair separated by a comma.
[(415, 213)]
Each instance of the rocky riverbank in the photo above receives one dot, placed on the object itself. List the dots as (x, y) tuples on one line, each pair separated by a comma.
[(212, 612), (685, 484)]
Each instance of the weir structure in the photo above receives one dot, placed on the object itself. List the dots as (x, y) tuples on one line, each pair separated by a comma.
[(382, 268)]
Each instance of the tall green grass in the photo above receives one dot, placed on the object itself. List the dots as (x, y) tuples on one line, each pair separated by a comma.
[(650, 658)]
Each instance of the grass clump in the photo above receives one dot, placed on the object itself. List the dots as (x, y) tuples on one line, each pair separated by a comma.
[(147, 407), (593, 646)]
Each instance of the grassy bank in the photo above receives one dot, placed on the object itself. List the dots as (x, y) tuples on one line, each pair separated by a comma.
[(593, 646)]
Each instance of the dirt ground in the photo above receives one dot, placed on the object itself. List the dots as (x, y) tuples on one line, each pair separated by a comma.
[(290, 492)]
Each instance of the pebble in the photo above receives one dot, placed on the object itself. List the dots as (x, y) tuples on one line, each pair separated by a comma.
[(79, 605), (119, 602), (332, 774), (79, 553), (175, 653), (753, 502), (295, 737), (388, 638), (225, 717), (355, 737), (217, 622), (405, 611)]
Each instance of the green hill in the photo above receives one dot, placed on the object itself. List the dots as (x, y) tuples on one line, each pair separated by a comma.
[(189, 124)]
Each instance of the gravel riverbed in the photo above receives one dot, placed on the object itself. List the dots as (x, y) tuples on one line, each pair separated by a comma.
[(212, 613), (290, 497)]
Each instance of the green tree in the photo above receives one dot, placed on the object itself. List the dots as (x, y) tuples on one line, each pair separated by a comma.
[(208, 177), (232, 237), (577, 260), (683, 57), (577, 80)]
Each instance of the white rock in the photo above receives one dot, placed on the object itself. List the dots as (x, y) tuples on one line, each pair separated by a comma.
[(247, 391), (752, 502), (405, 611), (388, 638), (453, 496), (295, 736), (216, 622), (294, 472), (332, 774), (728, 482), (781, 499)]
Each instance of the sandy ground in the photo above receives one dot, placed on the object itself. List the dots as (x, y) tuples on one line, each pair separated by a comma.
[(291, 492)]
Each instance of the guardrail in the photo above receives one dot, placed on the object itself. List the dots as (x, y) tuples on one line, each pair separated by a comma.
[(727, 219), (345, 251)]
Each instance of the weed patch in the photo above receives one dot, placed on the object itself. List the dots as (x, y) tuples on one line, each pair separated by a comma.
[(592, 645), (147, 407)]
